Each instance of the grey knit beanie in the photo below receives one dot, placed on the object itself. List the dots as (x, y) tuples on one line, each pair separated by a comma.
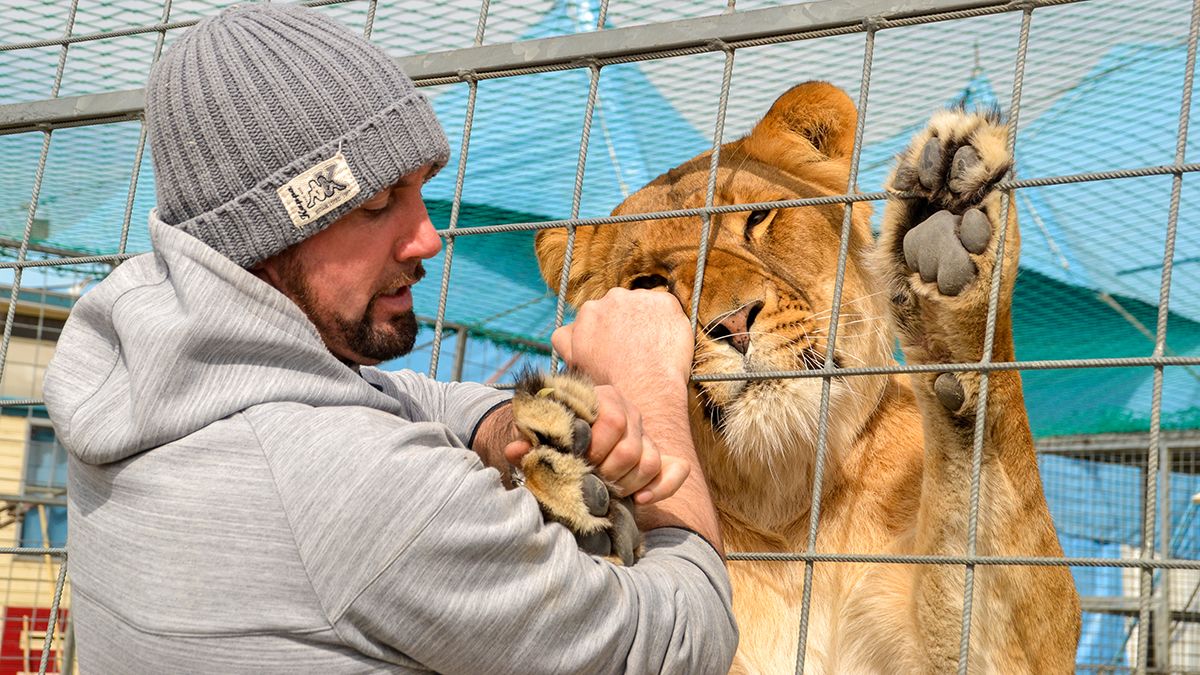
[(269, 122)]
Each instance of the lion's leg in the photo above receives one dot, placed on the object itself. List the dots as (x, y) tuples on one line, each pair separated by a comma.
[(937, 253)]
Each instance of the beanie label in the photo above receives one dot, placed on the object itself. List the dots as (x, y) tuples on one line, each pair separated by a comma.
[(318, 190)]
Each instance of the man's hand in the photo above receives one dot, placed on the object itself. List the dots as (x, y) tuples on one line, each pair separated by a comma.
[(637, 347), (622, 454), (641, 343), (635, 340)]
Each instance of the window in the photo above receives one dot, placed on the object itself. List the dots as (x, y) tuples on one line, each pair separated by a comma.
[(46, 478)]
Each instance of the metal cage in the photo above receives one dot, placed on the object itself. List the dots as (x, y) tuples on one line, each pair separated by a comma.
[(1140, 580)]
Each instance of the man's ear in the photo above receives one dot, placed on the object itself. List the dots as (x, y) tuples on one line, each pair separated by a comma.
[(811, 122)]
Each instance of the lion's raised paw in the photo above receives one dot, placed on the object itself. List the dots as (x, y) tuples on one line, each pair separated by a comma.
[(954, 167), (555, 413), (941, 236), (939, 245), (956, 162)]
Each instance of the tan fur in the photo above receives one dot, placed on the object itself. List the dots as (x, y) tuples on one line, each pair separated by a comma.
[(554, 479), (897, 469), (547, 409)]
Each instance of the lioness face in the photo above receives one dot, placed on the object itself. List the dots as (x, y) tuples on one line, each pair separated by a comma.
[(768, 288), (766, 300)]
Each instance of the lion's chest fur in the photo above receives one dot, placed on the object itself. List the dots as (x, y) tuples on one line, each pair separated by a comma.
[(861, 616), (845, 634), (856, 616), (858, 620)]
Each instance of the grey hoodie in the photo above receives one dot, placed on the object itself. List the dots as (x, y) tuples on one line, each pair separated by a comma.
[(241, 501)]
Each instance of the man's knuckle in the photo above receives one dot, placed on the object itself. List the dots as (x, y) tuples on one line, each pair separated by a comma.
[(627, 454), (610, 419), (650, 465), (634, 417)]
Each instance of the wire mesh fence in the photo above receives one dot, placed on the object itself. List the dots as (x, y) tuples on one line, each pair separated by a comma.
[(558, 110)]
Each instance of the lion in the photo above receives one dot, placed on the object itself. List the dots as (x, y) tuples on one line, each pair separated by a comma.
[(897, 469)]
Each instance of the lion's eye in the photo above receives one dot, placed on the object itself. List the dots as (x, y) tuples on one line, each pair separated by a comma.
[(648, 281), (757, 217)]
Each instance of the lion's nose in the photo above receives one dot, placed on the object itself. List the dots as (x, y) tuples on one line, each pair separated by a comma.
[(734, 327)]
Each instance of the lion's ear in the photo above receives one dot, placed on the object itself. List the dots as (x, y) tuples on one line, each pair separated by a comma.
[(810, 122), (551, 246)]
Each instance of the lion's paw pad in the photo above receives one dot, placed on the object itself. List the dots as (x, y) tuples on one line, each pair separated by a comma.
[(949, 391), (938, 248), (555, 413)]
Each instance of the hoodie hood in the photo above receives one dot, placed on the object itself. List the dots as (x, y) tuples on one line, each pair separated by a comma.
[(177, 339)]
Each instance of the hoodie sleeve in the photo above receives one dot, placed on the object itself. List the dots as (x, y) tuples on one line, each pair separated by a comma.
[(461, 406), (487, 587), (416, 551)]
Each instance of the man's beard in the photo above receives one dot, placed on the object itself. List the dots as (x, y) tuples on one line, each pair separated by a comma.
[(363, 337)]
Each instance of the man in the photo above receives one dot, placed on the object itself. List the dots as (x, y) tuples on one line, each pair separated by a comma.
[(248, 494)]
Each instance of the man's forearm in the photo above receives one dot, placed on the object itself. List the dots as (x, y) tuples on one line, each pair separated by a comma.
[(665, 421)]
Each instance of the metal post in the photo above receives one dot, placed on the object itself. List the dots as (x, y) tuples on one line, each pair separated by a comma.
[(33, 199), (585, 135), (456, 204), (710, 192), (1014, 114), (52, 623), (141, 147), (460, 354), (68, 665), (1162, 613)]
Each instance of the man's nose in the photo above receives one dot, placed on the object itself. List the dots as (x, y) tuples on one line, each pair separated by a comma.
[(422, 241)]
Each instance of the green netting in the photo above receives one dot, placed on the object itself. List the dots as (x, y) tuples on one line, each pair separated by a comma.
[(1052, 320)]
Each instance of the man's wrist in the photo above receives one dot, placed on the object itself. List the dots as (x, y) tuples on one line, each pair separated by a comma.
[(494, 431)]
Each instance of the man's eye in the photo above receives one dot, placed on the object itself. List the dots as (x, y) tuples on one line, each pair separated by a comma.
[(375, 208)]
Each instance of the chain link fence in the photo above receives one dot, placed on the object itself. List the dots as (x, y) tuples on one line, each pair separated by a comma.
[(560, 108)]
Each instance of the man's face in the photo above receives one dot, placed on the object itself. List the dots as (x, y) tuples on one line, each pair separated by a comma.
[(352, 279)]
